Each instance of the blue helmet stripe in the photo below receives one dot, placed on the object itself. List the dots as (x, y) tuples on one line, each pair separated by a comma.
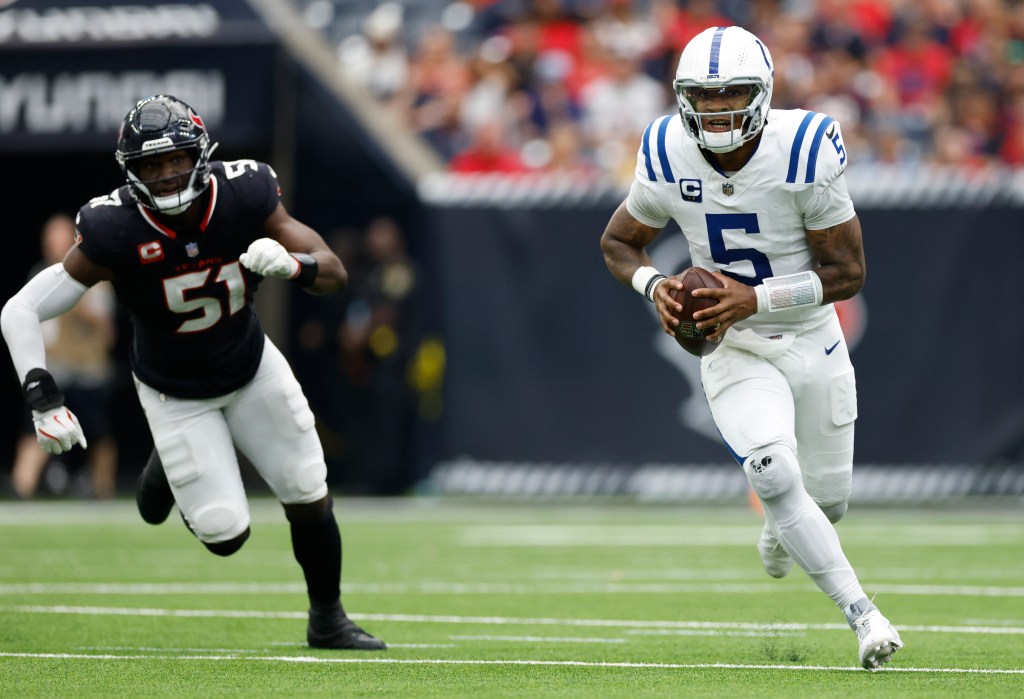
[(716, 50), (794, 154), (662, 152), (764, 55), (812, 158), (646, 145)]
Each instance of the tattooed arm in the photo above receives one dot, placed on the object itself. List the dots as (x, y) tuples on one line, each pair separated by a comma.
[(623, 244), (840, 252)]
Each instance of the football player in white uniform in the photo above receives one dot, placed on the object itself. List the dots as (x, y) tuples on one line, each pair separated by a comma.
[(764, 206)]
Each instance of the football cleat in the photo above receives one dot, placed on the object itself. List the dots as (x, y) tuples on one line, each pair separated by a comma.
[(153, 493), (878, 639), (331, 628), (777, 562)]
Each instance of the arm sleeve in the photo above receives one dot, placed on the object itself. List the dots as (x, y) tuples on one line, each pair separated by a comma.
[(47, 295)]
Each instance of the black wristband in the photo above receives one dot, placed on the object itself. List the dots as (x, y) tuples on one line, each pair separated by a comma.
[(308, 269), (651, 283), (41, 392)]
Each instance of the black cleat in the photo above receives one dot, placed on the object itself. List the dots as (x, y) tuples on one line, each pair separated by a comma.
[(331, 628), (153, 493)]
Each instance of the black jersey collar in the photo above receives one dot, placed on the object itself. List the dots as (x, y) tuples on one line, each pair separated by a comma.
[(152, 220)]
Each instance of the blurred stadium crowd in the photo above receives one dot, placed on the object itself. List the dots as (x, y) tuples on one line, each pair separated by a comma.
[(569, 85)]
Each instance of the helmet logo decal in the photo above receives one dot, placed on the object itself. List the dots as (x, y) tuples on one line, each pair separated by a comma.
[(157, 143), (195, 119)]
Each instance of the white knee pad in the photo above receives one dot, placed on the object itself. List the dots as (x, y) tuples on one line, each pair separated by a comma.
[(220, 521), (834, 512), (307, 480), (772, 471)]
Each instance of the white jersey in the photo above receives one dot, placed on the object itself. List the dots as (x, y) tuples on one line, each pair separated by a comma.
[(751, 224)]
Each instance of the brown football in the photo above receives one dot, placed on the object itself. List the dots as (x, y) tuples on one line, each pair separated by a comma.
[(687, 335)]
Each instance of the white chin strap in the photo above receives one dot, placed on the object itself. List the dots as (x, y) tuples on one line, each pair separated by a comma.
[(723, 142), (175, 203)]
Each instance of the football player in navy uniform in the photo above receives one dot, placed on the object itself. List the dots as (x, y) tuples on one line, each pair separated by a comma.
[(763, 204), (185, 243)]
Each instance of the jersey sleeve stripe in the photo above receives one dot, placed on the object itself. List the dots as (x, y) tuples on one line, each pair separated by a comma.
[(666, 169), (812, 158), (794, 154), (646, 146)]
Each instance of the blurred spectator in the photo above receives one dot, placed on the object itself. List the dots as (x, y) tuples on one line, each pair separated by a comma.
[(616, 108), (78, 354), (439, 79), (621, 30), (489, 152), (377, 58), (918, 66), (380, 338), (894, 72)]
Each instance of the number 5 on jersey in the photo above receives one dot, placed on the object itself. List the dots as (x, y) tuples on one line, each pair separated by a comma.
[(717, 224)]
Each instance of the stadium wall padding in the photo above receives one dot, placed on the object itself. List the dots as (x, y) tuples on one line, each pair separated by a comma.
[(550, 360)]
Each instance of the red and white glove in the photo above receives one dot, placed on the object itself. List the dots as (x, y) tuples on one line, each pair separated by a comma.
[(57, 430), (268, 257)]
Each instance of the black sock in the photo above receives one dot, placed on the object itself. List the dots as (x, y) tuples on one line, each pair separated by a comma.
[(317, 547)]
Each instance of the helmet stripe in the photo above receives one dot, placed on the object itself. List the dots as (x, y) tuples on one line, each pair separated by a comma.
[(716, 50), (764, 55), (646, 145), (662, 152), (794, 154)]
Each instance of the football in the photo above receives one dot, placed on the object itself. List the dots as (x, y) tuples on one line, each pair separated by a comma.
[(687, 335)]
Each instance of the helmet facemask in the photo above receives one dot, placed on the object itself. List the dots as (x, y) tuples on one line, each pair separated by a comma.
[(743, 123)]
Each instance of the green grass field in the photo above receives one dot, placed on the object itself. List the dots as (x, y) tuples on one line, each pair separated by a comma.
[(550, 599)]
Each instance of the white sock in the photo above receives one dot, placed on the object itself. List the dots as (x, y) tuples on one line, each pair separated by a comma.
[(811, 540)]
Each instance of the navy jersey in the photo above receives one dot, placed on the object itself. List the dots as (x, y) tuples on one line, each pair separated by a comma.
[(191, 302)]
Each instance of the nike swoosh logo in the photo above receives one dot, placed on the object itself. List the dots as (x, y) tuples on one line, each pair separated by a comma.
[(829, 350)]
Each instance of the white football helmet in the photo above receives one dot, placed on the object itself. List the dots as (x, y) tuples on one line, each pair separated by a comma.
[(732, 61)]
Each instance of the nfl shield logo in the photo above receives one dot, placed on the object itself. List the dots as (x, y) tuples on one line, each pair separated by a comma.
[(192, 249), (727, 189)]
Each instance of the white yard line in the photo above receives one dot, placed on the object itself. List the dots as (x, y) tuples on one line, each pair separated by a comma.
[(241, 656), (491, 588), (539, 639), (495, 620), (687, 535)]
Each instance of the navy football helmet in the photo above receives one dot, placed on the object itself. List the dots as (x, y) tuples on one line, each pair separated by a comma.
[(163, 124)]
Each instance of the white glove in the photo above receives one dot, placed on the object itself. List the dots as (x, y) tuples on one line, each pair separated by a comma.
[(57, 430), (269, 258)]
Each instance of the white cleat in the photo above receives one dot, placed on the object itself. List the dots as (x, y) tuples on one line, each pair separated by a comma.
[(777, 562), (878, 639)]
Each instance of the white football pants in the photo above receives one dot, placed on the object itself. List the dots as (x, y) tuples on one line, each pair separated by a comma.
[(270, 422), (786, 408), (797, 391)]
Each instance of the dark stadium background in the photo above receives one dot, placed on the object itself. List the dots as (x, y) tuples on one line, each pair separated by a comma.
[(551, 366)]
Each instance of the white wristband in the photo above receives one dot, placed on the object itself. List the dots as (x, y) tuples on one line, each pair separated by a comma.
[(645, 280), (789, 291)]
